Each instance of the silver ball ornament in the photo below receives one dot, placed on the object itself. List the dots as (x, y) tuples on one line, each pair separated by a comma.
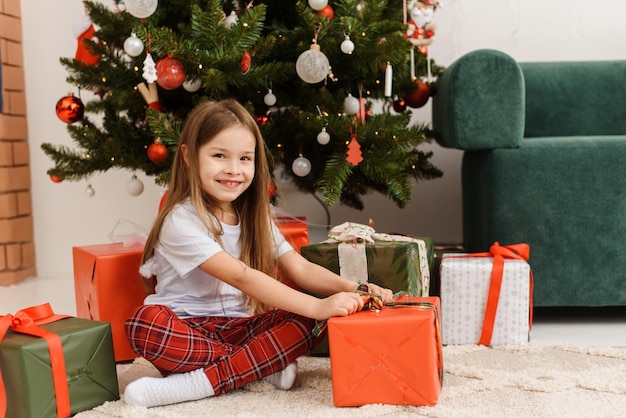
[(270, 98), (323, 137), (134, 187), (351, 105), (318, 4), (231, 20), (312, 65), (90, 191), (301, 166), (192, 86), (133, 46), (347, 46), (141, 8)]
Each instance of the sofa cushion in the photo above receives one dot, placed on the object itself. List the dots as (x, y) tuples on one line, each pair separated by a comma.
[(565, 197), (571, 98)]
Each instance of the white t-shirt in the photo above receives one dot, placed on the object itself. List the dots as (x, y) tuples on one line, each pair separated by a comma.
[(185, 243)]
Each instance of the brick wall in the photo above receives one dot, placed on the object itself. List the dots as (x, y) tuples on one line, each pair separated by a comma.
[(17, 248)]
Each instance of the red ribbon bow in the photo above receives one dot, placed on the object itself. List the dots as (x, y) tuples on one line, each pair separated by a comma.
[(26, 321), (499, 253)]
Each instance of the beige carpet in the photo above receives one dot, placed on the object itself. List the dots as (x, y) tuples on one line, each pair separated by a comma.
[(526, 381)]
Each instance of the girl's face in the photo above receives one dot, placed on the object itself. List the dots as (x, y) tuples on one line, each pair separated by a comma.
[(226, 164)]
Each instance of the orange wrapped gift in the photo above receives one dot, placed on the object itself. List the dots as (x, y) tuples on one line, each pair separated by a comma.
[(295, 230), (108, 288), (390, 356)]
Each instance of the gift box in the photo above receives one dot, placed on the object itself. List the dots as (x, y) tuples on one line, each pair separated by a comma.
[(395, 265), (485, 304), (294, 229), (109, 288), (390, 356), (357, 252), (68, 366), (296, 232)]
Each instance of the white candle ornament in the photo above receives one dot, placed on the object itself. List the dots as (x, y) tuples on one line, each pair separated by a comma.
[(388, 80)]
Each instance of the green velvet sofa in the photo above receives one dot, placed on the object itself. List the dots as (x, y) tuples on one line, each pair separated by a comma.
[(544, 163)]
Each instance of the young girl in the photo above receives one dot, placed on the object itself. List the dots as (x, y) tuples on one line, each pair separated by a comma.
[(217, 318)]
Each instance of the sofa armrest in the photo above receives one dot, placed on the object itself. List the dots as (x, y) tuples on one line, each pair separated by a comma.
[(479, 102)]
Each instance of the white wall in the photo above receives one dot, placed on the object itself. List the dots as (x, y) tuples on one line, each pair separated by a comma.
[(529, 30)]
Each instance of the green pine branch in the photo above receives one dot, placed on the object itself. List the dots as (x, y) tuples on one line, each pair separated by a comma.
[(118, 126)]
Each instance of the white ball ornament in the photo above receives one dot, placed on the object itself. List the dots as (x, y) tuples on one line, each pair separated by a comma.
[(351, 105), (90, 191), (231, 19), (270, 98), (323, 137), (347, 46), (192, 86), (134, 187), (133, 46), (141, 8), (318, 4), (312, 65), (301, 166)]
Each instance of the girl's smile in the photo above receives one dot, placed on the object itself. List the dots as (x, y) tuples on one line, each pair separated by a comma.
[(230, 184)]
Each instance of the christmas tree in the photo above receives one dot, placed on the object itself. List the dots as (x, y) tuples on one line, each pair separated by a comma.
[(310, 72)]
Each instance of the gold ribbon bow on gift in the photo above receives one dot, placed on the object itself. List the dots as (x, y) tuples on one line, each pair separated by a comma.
[(370, 301)]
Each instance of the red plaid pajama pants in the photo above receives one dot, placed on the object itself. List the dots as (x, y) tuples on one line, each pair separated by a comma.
[(232, 351)]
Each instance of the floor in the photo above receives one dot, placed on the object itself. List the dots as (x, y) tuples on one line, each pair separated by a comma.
[(582, 326)]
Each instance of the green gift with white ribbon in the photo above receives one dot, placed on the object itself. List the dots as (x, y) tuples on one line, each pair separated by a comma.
[(357, 252)]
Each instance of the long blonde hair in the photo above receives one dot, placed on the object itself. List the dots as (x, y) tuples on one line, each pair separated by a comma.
[(203, 123)]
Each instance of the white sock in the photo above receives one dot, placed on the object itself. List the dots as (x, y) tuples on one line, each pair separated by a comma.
[(283, 379), (175, 388)]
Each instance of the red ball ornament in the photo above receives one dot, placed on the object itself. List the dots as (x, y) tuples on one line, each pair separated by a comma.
[(419, 96), (70, 109), (56, 179), (327, 11), (399, 105), (170, 73), (157, 152), (246, 62), (261, 120)]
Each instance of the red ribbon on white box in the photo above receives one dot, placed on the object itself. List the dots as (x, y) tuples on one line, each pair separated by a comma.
[(499, 253)]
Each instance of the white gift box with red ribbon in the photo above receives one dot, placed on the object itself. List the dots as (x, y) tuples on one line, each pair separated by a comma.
[(477, 306)]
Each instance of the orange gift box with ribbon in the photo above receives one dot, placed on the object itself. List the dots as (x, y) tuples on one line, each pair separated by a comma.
[(109, 288), (294, 229), (388, 356), (486, 298), (54, 365)]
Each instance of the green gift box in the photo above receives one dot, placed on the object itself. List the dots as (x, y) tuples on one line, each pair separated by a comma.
[(89, 364), (393, 265)]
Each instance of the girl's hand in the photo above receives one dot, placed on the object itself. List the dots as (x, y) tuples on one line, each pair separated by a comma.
[(385, 294), (339, 304)]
